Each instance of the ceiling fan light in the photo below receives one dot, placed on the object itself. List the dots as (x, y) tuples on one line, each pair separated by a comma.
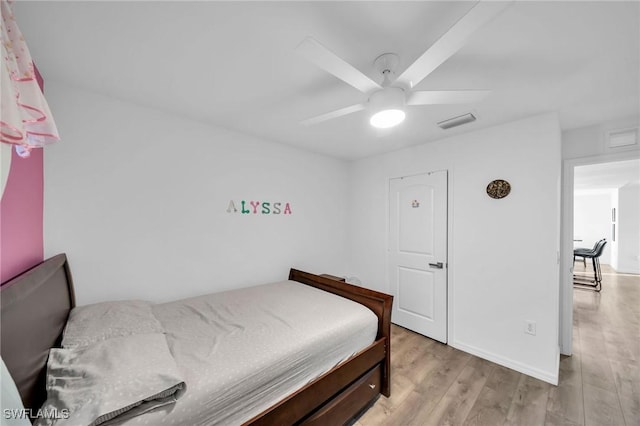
[(387, 118), (387, 107)]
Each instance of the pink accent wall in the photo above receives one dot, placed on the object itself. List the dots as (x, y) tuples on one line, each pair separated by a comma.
[(21, 213), (21, 216)]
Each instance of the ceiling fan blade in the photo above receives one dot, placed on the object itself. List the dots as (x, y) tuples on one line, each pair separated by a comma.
[(451, 41), (315, 52), (333, 114), (435, 97)]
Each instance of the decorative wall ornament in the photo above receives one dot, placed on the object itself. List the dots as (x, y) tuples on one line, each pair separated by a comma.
[(498, 188), (26, 121), (415, 204), (260, 207)]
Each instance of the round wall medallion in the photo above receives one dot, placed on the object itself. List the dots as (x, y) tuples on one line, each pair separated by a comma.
[(498, 188)]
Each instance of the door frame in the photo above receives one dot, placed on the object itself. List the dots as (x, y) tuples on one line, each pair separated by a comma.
[(448, 251), (566, 239)]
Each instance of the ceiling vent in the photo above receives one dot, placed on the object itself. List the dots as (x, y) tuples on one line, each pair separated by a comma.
[(457, 121), (620, 138)]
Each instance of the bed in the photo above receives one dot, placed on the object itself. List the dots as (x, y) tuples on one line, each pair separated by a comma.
[(36, 306)]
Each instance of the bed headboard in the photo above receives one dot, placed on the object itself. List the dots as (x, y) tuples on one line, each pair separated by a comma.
[(34, 310)]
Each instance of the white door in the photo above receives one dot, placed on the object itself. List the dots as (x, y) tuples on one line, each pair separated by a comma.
[(418, 253)]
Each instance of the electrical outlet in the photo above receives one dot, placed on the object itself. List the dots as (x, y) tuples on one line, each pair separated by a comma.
[(530, 327)]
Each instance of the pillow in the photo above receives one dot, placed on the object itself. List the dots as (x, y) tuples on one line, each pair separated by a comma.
[(13, 412), (95, 323)]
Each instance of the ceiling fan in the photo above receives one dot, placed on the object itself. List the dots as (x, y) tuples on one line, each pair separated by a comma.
[(386, 101)]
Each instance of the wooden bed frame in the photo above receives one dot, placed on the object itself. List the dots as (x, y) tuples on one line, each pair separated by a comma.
[(35, 307)]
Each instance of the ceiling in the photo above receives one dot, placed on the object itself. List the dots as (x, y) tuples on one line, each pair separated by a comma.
[(234, 65), (606, 176)]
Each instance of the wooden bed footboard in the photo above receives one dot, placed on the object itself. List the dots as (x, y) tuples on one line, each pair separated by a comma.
[(379, 303), (344, 391)]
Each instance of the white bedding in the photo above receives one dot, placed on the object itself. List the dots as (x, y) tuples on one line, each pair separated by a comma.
[(242, 351)]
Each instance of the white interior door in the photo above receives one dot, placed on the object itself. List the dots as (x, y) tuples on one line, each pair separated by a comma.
[(418, 253)]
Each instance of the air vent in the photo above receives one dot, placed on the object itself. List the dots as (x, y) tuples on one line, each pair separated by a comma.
[(620, 138), (457, 121)]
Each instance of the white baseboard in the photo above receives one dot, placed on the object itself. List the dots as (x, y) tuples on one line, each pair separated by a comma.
[(626, 271), (546, 376)]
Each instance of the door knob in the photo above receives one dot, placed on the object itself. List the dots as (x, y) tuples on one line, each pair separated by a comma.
[(436, 265)]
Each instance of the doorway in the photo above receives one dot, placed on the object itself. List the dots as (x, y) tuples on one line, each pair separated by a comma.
[(577, 182), (417, 258)]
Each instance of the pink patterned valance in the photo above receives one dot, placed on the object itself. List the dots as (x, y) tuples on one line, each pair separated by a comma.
[(25, 118)]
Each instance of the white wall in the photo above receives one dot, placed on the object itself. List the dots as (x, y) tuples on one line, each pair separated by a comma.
[(628, 232), (137, 198), (591, 141), (502, 253), (592, 220)]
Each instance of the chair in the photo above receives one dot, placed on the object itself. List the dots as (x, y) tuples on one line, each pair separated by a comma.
[(581, 251), (594, 255)]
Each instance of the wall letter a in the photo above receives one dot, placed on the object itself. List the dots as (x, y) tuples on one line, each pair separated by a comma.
[(232, 207)]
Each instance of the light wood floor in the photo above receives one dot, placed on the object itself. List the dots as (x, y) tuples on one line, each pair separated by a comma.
[(434, 384)]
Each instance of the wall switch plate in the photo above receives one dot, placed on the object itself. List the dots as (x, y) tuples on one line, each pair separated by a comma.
[(530, 327)]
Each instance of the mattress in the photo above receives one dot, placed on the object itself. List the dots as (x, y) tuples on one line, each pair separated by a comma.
[(242, 351)]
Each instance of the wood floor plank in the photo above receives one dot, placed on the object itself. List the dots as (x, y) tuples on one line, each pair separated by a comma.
[(594, 346), (625, 352), (399, 336), (416, 408), (556, 420), (575, 344), (529, 403), (566, 402), (627, 378), (493, 402), (601, 407), (621, 346), (461, 396), (401, 386), (415, 362), (410, 368), (596, 371), (630, 406)]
